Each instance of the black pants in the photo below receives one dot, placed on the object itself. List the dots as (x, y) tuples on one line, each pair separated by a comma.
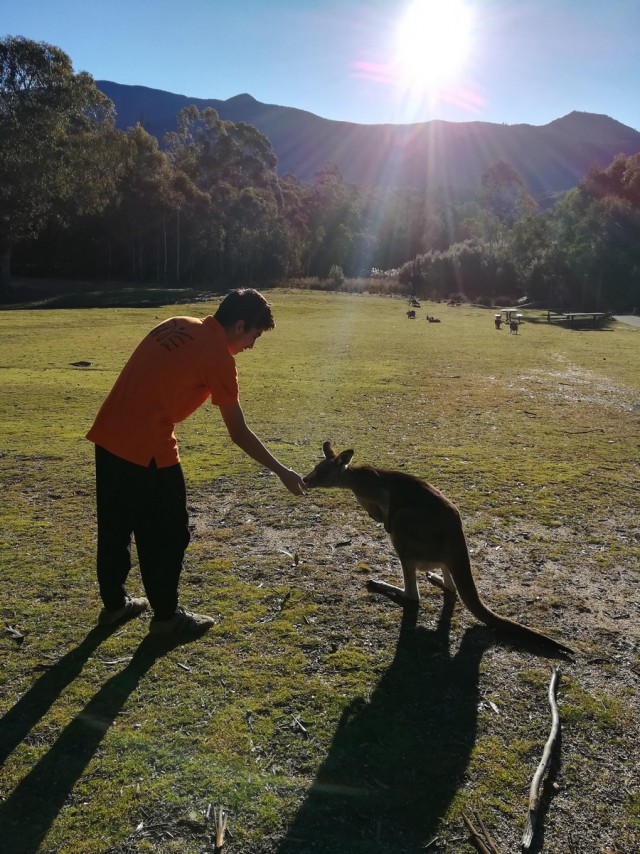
[(150, 504)]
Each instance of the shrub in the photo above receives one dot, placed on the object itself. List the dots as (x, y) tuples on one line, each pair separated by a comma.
[(336, 275)]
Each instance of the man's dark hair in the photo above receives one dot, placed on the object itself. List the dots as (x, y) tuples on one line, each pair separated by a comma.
[(245, 304)]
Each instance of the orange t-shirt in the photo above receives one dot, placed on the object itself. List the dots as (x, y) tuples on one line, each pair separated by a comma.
[(175, 368)]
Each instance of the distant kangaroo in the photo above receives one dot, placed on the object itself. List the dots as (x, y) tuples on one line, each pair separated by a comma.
[(426, 532)]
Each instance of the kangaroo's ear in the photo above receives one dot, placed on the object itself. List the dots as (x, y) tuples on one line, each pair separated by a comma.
[(328, 451), (345, 457)]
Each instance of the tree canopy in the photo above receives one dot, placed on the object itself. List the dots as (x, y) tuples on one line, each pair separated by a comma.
[(52, 122)]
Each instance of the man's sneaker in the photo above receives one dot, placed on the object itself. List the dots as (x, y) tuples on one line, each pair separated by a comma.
[(182, 622), (131, 608)]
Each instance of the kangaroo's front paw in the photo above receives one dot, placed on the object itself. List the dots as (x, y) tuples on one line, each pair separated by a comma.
[(439, 581)]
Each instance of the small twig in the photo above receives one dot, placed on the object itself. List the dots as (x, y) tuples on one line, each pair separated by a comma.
[(300, 725), (482, 839), (579, 432), (534, 791), (284, 600), (14, 634), (489, 839), (476, 836)]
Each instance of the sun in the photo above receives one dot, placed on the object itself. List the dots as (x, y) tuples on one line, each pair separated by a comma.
[(432, 42)]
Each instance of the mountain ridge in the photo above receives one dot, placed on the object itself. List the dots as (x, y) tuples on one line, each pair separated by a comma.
[(550, 158)]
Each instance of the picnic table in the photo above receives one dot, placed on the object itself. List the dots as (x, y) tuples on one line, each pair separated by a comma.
[(578, 316), (512, 314)]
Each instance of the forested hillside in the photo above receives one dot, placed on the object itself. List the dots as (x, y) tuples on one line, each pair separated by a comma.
[(80, 197), (426, 155)]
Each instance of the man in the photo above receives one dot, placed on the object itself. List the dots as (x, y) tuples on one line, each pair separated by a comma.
[(140, 487)]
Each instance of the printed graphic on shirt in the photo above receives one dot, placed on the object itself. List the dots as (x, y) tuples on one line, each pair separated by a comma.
[(171, 334)]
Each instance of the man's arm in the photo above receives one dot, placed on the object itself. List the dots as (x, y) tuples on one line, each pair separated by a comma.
[(246, 439)]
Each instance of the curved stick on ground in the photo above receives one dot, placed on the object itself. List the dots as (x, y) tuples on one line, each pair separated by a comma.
[(534, 791)]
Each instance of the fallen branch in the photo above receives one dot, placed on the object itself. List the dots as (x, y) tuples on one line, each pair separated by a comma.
[(220, 821), (536, 783)]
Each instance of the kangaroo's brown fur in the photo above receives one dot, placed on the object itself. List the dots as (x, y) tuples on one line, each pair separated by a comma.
[(426, 532)]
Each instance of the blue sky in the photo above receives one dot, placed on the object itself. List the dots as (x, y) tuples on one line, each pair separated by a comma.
[(527, 61)]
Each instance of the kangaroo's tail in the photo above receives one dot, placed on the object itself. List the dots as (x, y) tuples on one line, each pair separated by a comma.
[(468, 593), (522, 633)]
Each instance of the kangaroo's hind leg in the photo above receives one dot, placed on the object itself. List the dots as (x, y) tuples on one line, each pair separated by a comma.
[(406, 542), (408, 593)]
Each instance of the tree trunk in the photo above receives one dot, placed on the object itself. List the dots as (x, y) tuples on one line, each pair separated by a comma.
[(164, 234), (5, 267), (178, 246)]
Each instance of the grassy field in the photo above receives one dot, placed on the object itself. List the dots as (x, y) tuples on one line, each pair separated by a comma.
[(318, 715)]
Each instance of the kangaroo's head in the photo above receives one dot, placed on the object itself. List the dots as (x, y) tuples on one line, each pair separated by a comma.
[(328, 472)]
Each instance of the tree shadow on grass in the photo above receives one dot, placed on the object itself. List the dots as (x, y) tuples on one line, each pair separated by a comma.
[(30, 810), (396, 762), (52, 293)]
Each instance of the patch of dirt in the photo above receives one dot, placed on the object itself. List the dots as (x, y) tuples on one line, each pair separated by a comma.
[(571, 383)]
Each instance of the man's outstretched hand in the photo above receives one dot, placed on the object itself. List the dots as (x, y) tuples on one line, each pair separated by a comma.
[(292, 481)]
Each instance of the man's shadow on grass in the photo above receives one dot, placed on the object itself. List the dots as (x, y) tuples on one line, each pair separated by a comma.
[(30, 810), (33, 706), (397, 761)]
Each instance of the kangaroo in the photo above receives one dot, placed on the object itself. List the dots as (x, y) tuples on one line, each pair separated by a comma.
[(426, 532)]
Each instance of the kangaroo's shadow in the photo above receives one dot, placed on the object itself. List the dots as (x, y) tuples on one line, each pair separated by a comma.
[(396, 762), (30, 810)]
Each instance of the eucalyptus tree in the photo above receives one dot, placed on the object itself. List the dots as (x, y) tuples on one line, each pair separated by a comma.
[(504, 194), (234, 165), (56, 130), (599, 240), (295, 230), (621, 179), (335, 223), (141, 218)]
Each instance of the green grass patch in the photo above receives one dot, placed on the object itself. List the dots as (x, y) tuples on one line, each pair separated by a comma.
[(318, 718)]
